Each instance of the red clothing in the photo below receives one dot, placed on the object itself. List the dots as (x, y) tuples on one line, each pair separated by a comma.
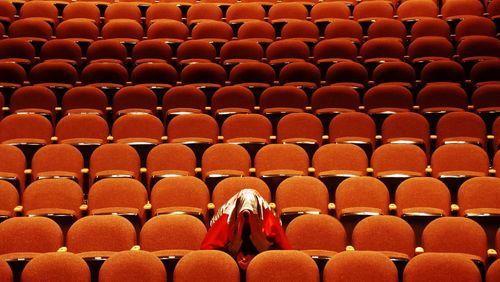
[(244, 227)]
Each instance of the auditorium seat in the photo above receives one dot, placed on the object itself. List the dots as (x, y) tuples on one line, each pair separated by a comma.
[(57, 76), (216, 33), (419, 200), (485, 72), (82, 10), (275, 102), (323, 13), (163, 12), (252, 131), (207, 76), (55, 161), (132, 266), (12, 77), (472, 129), (430, 27), (282, 52), (387, 28), (9, 199), (300, 195), (435, 267), (62, 50), (151, 51), (40, 235), (167, 160), (293, 266), (202, 12), (159, 77), (407, 128), (109, 77), (351, 74), (455, 163), (390, 235), (231, 100), (345, 29), (181, 100), (240, 51), (114, 161), (171, 32), (18, 51), (395, 73), (474, 26), (120, 196), (443, 72), (81, 31), (29, 132), (303, 75), (57, 199), (353, 128), (143, 132), (303, 129), (302, 30), (228, 187), (335, 162), (55, 266), (255, 76), (12, 166), (360, 266), (180, 195), (276, 162), (329, 101), (207, 265), (107, 51), (35, 99), (320, 236), (331, 51), (281, 13), (195, 51), (486, 105), (493, 273), (96, 238), (122, 10), (469, 240), (411, 12), (476, 199), (239, 13), (259, 31), (371, 11), (134, 100), (44, 10)]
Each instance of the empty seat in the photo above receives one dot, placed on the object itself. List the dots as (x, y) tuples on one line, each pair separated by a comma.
[(335, 162), (360, 266), (351, 74), (437, 99), (252, 131), (305, 31), (387, 99), (171, 32), (303, 129), (380, 50), (231, 100), (156, 76), (396, 73), (258, 31), (443, 71), (8, 201), (330, 51), (287, 11), (485, 104), (324, 13), (472, 129), (240, 13), (224, 160), (84, 99), (387, 28), (12, 76), (124, 31), (300, 195), (134, 99), (353, 128), (168, 160), (303, 75), (110, 76), (183, 99), (184, 234), (81, 31), (387, 234), (46, 11), (293, 266), (359, 197), (321, 236), (155, 51), (207, 76), (195, 51), (28, 132), (119, 196), (455, 163), (56, 161), (275, 162), (345, 29), (56, 266), (493, 273), (476, 199), (131, 266), (163, 12), (58, 199), (485, 72), (85, 132), (17, 50), (12, 166), (34, 99), (82, 10), (61, 50), (407, 128), (107, 51), (430, 27), (473, 26), (420, 200), (277, 101), (114, 160), (454, 11), (370, 11), (478, 48), (429, 48), (206, 265), (39, 235), (393, 163), (215, 32), (471, 239), (203, 12), (198, 131), (441, 266), (240, 51), (256, 76), (183, 194), (122, 10), (329, 101), (285, 51), (410, 12)]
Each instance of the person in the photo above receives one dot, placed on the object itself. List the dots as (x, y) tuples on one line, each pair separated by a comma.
[(245, 226)]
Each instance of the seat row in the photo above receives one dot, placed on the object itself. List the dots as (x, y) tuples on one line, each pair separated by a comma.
[(378, 255), (238, 12), (221, 266)]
